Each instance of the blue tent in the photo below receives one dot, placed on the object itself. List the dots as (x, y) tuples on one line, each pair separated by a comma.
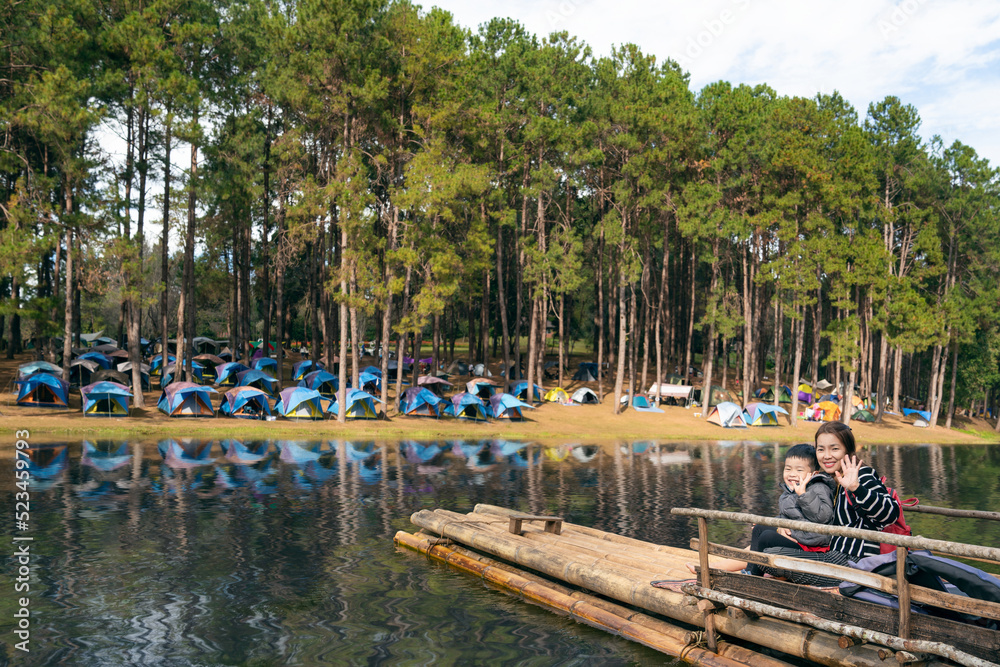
[(293, 452), (370, 382), (259, 379), (186, 399), (300, 368), (301, 403), (245, 403), (506, 406), (727, 415), (360, 405), (420, 402), (105, 399), (482, 388), (265, 364), (641, 404), (105, 460), (226, 374), (324, 382), (467, 406), (372, 370), (101, 359), (43, 390), (32, 367), (156, 363), (762, 414), (170, 371), (923, 414), (521, 391)]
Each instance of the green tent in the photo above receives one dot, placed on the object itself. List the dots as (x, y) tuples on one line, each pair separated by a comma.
[(718, 395), (864, 416)]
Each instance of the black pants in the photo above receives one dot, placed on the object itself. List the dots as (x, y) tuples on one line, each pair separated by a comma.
[(765, 537)]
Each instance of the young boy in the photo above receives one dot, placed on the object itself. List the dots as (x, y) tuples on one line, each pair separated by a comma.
[(806, 495)]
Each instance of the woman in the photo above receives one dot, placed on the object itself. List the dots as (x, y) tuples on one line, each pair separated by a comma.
[(860, 501)]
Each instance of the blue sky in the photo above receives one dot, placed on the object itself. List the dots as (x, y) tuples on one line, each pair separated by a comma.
[(941, 57)]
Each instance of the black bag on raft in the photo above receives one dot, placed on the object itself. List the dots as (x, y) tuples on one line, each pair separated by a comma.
[(934, 572)]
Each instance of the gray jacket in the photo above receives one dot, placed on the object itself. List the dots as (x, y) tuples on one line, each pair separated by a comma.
[(815, 505)]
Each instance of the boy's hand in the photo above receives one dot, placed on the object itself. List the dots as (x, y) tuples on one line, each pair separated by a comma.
[(847, 476), (787, 533), (800, 487)]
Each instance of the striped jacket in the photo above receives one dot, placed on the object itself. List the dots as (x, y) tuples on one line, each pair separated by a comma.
[(870, 507)]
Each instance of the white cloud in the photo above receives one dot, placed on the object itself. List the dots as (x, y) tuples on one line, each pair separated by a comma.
[(942, 57)]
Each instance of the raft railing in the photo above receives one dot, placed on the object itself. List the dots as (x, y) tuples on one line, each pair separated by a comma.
[(900, 587)]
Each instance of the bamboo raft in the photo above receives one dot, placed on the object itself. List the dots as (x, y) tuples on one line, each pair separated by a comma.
[(604, 580)]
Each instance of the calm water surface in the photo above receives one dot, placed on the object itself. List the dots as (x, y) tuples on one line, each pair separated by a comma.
[(171, 554)]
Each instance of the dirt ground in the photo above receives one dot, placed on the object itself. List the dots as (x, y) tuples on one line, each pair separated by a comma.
[(549, 424)]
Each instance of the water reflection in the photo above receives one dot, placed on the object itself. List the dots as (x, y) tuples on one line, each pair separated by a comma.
[(202, 551)]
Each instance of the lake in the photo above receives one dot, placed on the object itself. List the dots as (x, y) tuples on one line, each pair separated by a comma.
[(170, 553)]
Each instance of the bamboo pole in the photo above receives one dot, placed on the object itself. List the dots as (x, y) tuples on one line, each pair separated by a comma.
[(903, 586), (607, 579), (912, 542), (919, 594), (896, 643), (738, 653), (948, 511), (581, 609)]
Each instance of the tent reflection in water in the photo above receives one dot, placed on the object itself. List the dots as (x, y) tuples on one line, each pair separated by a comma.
[(186, 399), (104, 457), (727, 415), (105, 399), (245, 403), (301, 403), (762, 414), (43, 390)]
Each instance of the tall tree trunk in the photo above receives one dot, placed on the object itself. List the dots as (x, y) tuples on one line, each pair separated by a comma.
[(342, 384), (502, 306), (661, 302), (280, 289), (165, 238), (954, 381), (562, 334), (387, 312), (188, 334), (401, 341), (68, 328), (817, 322), (532, 348), (620, 370), (933, 385), (897, 377), (355, 334), (645, 317), (799, 327), (708, 360), (779, 343), (600, 319), (883, 361), (689, 346)]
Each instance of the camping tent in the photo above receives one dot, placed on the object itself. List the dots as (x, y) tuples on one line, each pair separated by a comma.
[(766, 394), (727, 415), (81, 371), (557, 395), (110, 375), (641, 404), (322, 381), (126, 369), (245, 402), (481, 371), (433, 384), (458, 367), (32, 367), (42, 390), (585, 396), (301, 403), (805, 392), (258, 379), (521, 391), (923, 414), (762, 414), (420, 402), (301, 368), (718, 395), (587, 372), (105, 399), (265, 364), (170, 372), (156, 363), (863, 415), (226, 375), (101, 359), (186, 399), (360, 405), (826, 411), (482, 388), (370, 382), (506, 406), (466, 406)]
